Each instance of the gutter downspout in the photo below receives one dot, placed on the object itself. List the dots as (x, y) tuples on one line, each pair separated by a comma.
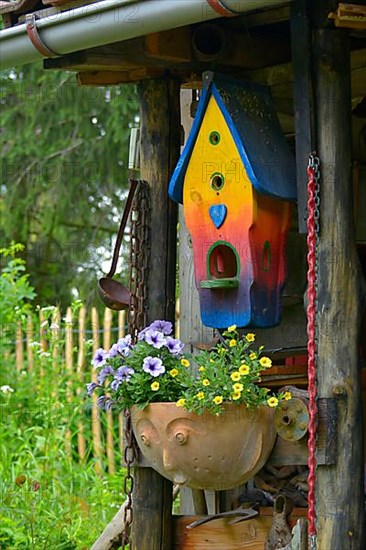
[(112, 21)]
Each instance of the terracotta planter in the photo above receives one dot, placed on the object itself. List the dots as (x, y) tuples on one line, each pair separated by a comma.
[(205, 452)]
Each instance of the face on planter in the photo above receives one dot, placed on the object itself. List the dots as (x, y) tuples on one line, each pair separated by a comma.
[(205, 452)]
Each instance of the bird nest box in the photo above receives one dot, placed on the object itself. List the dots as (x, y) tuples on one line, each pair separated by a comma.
[(236, 180)]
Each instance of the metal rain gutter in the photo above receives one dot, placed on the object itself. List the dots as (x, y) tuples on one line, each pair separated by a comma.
[(107, 22)]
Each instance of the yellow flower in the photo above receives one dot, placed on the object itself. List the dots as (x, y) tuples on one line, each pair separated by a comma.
[(200, 395), (252, 355), (221, 350), (232, 343), (238, 387), (272, 401), (201, 369), (206, 382), (231, 328), (155, 386), (235, 376), (265, 362), (218, 399), (211, 361), (236, 395), (174, 372), (244, 369), (287, 396), (184, 362), (181, 402), (250, 337)]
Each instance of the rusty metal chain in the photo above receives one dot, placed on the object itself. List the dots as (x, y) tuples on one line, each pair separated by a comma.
[(313, 171), (130, 455), (139, 258)]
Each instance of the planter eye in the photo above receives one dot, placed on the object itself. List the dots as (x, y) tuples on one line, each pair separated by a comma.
[(181, 438), (145, 440)]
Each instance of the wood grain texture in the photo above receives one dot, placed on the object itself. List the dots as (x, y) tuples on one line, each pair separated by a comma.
[(341, 301), (160, 143)]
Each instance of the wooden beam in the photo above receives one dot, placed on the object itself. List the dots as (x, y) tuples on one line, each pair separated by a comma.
[(160, 146), (302, 61), (341, 300)]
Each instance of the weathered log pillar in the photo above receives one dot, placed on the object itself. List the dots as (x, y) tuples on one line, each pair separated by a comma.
[(160, 147), (340, 501)]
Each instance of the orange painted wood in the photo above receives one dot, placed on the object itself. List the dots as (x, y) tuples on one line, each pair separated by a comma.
[(218, 534)]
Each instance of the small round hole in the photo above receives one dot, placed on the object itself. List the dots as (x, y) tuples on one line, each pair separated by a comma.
[(217, 181), (214, 138)]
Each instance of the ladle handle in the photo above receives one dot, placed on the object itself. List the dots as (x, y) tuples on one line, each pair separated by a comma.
[(121, 230)]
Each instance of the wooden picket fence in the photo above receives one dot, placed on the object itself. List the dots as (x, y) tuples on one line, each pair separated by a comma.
[(69, 349)]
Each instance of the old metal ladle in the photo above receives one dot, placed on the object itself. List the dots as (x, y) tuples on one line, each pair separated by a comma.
[(113, 294)]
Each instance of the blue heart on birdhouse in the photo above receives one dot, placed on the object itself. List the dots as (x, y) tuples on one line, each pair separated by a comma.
[(218, 214)]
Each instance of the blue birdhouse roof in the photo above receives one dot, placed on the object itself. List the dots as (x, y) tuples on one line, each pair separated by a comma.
[(249, 112)]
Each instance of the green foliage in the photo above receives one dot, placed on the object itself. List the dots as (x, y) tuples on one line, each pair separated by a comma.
[(15, 291), (49, 499), (154, 370), (64, 175)]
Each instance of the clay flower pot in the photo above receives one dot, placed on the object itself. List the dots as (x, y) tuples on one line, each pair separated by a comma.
[(205, 451)]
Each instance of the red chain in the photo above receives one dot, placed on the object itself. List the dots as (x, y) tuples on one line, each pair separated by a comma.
[(311, 346)]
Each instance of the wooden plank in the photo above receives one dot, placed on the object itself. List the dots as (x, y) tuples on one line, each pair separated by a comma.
[(341, 295), (80, 376), (220, 534), (95, 418)]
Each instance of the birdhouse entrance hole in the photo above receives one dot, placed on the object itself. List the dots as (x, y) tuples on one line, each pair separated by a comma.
[(222, 267)]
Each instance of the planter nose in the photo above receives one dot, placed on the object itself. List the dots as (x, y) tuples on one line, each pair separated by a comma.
[(171, 470)]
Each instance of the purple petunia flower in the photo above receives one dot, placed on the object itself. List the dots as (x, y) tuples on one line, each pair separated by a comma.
[(99, 358), (165, 327), (115, 385), (174, 346), (113, 352), (124, 345), (124, 373), (91, 387), (153, 365), (102, 401), (106, 371), (155, 338)]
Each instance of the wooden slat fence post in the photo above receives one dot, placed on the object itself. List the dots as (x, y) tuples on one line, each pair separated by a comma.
[(69, 370), (19, 355), (107, 326), (29, 343), (55, 347), (80, 378), (96, 427), (121, 334)]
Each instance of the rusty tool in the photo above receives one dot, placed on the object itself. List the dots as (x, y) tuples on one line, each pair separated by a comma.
[(113, 294)]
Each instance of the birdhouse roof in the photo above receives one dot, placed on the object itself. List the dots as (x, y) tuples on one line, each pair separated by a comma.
[(249, 112)]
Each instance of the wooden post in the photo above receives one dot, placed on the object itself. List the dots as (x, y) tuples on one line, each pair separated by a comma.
[(341, 300), (160, 143)]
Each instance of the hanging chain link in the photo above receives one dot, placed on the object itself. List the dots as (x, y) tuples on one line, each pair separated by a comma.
[(139, 258), (313, 227), (130, 455)]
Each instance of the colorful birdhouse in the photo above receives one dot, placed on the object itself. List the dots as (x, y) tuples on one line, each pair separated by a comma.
[(236, 180)]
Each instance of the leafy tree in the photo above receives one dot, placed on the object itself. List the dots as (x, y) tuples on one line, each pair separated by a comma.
[(64, 176)]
